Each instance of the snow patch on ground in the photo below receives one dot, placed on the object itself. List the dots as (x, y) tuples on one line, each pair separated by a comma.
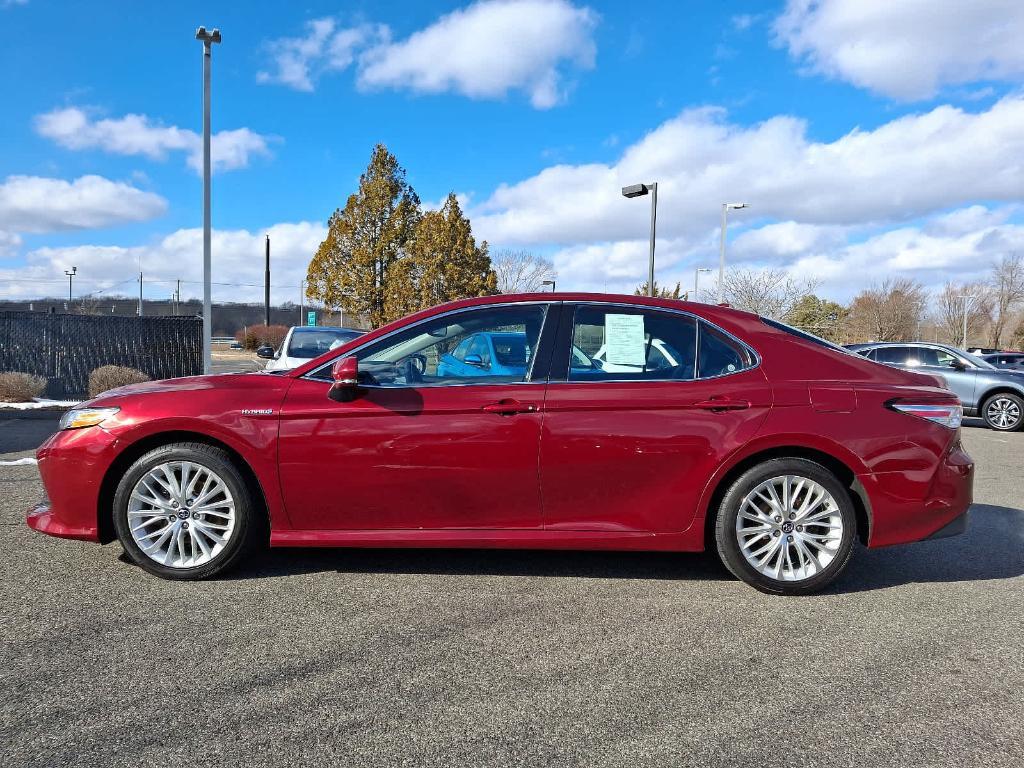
[(40, 403), (18, 462)]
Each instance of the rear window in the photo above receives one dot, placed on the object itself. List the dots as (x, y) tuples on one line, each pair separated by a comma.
[(806, 336)]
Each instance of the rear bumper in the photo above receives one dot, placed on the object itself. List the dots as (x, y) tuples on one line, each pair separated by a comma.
[(913, 505)]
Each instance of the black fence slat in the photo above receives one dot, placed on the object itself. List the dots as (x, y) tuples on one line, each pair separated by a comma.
[(67, 348)]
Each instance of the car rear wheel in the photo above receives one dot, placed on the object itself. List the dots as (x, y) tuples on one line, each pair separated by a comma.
[(1004, 411), (786, 527), (184, 511)]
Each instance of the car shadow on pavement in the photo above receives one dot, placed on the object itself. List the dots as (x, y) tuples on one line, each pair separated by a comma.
[(992, 548)]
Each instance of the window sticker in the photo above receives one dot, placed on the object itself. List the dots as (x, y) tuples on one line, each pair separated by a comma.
[(624, 340)]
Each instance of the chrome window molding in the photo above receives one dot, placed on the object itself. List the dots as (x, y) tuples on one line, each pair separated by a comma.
[(317, 373), (645, 307)]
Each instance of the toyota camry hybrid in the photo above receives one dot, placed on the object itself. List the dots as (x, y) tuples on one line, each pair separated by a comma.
[(569, 421)]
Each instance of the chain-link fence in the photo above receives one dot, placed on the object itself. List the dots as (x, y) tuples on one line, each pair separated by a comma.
[(66, 348)]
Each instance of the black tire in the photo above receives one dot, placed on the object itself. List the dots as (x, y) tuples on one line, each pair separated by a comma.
[(728, 542), (992, 419), (247, 515)]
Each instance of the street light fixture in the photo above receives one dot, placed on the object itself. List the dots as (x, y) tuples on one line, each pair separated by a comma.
[(726, 207), (696, 278), (71, 276), (639, 190), (549, 282), (208, 38)]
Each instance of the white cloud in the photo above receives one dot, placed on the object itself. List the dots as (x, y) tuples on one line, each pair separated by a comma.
[(911, 166), (488, 49), (237, 259), (324, 48), (482, 51), (72, 128), (907, 49), (33, 204)]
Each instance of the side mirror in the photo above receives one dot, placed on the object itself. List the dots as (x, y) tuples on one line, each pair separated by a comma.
[(266, 352), (345, 373), (474, 360), (958, 365)]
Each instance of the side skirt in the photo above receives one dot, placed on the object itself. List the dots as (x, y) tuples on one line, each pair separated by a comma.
[(492, 539)]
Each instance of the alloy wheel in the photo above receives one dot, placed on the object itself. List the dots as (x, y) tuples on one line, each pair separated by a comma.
[(789, 528), (181, 514), (1002, 412)]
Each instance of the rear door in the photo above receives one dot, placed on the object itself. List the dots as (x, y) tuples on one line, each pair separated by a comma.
[(630, 441)]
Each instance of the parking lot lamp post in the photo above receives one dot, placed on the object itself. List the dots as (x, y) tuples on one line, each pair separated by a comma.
[(549, 282), (71, 276), (726, 207), (696, 278), (639, 190), (208, 38)]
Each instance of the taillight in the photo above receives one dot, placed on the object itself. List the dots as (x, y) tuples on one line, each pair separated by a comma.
[(947, 414)]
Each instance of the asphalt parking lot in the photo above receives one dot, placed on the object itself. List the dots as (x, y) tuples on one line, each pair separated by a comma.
[(475, 658)]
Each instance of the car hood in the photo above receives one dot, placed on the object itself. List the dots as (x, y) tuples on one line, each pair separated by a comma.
[(182, 384)]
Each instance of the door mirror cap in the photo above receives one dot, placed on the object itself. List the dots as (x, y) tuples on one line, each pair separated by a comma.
[(266, 352), (474, 360), (958, 365), (345, 373)]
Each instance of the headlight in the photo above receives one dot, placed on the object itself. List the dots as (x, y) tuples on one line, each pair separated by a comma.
[(86, 417)]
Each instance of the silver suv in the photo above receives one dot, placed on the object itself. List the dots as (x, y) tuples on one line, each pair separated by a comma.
[(997, 395)]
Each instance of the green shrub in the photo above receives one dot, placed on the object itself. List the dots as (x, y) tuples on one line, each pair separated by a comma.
[(17, 387), (256, 336), (113, 376)]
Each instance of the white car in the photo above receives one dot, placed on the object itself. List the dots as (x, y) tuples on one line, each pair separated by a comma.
[(303, 343)]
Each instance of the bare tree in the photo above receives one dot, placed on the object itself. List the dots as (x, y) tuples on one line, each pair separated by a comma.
[(768, 292), (521, 271), (955, 300), (891, 311), (1007, 286)]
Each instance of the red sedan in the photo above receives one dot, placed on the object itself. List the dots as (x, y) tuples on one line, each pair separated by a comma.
[(558, 421)]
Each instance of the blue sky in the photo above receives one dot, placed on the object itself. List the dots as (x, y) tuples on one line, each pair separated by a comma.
[(870, 141)]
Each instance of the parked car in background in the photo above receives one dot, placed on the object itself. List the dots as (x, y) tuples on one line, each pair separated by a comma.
[(777, 448), (303, 343), (1012, 360), (984, 390), (982, 350)]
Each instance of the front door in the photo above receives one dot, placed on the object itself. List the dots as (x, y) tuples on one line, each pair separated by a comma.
[(650, 404), (429, 442)]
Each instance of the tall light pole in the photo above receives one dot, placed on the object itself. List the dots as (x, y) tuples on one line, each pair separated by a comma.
[(549, 282), (726, 207), (696, 278), (639, 190), (71, 276), (208, 38), (966, 299)]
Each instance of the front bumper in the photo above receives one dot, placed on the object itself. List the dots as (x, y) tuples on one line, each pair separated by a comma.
[(72, 464)]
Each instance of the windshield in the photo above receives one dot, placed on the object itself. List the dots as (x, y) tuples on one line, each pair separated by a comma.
[(307, 344), (806, 336)]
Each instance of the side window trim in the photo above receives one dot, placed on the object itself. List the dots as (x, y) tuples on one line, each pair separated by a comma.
[(560, 365), (550, 309)]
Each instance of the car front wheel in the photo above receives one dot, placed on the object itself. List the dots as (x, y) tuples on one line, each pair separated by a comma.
[(1004, 411), (786, 527), (184, 511)]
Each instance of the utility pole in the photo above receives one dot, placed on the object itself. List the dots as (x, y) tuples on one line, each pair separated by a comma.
[(140, 294), (177, 298), (302, 300), (208, 38), (966, 299), (266, 286), (726, 207), (639, 190)]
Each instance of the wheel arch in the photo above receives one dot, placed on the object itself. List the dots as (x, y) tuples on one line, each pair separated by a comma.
[(137, 449), (837, 466), (998, 389)]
